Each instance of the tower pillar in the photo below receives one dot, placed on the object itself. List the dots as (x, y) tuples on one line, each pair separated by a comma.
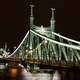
[(52, 21), (31, 16)]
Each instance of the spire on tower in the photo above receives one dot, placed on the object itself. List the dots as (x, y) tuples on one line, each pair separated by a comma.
[(31, 16), (52, 22), (5, 46), (52, 9), (32, 6)]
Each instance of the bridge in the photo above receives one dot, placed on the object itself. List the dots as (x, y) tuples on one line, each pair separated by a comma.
[(43, 46)]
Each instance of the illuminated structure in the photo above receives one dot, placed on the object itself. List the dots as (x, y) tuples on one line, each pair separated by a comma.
[(42, 45)]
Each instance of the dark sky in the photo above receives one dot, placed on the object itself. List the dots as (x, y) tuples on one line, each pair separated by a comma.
[(14, 17)]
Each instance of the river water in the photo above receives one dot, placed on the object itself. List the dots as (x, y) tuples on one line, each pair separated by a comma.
[(27, 75)]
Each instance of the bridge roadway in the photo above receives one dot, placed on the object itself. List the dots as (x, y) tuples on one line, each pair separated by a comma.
[(45, 64)]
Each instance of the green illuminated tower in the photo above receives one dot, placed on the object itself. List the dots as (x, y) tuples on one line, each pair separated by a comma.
[(31, 16), (52, 21)]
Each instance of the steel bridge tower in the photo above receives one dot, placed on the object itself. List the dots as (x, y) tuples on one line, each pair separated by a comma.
[(43, 46)]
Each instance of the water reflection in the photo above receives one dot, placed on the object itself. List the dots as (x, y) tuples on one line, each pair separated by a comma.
[(20, 73), (25, 74), (38, 76), (56, 76)]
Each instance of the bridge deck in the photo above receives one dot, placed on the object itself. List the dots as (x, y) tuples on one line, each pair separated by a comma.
[(45, 64)]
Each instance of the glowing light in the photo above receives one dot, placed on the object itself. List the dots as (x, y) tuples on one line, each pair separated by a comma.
[(13, 72), (26, 50), (21, 65), (45, 41)]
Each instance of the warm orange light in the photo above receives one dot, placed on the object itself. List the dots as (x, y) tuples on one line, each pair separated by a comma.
[(13, 72)]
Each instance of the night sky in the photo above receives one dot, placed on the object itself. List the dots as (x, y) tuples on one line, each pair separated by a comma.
[(14, 18)]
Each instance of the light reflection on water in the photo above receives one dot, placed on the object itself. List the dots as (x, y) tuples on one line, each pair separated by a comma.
[(35, 76), (26, 75), (42, 76), (56, 76), (39, 76)]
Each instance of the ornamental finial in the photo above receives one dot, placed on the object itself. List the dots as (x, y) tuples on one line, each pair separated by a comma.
[(53, 9), (31, 9)]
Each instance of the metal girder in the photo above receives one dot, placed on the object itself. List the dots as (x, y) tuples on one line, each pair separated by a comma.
[(37, 46)]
